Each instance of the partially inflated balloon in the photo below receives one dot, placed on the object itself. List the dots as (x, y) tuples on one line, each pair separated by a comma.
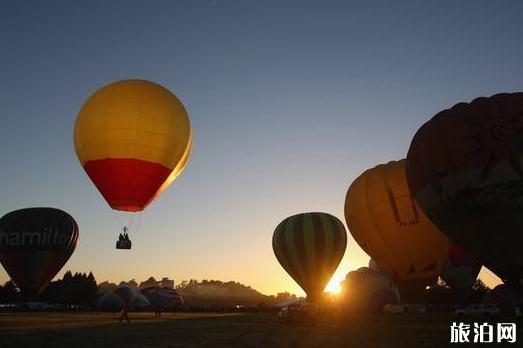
[(35, 243), (123, 296), (310, 247), (464, 168), (384, 219), (369, 289), (133, 138), (461, 269), (163, 297)]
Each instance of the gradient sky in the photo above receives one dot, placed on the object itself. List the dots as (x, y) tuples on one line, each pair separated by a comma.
[(289, 102)]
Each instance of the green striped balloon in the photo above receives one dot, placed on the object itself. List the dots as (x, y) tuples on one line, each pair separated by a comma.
[(310, 247)]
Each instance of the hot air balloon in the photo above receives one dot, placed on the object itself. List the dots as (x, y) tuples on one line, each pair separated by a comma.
[(464, 168), (310, 247), (384, 219), (369, 289), (123, 296), (461, 269), (35, 243), (163, 297), (133, 138)]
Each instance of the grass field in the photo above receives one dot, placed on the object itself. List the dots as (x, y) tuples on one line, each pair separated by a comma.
[(218, 330)]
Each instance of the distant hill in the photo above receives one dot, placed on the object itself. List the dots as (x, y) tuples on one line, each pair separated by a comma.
[(218, 293)]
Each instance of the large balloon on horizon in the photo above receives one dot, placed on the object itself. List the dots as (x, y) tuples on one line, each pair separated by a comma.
[(368, 289), (464, 168), (133, 138), (310, 247), (123, 296), (163, 297), (35, 243), (386, 222)]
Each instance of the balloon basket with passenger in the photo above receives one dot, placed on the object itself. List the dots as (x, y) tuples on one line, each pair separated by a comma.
[(123, 241)]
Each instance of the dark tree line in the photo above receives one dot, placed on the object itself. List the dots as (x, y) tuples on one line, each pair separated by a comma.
[(217, 293), (81, 289), (78, 289)]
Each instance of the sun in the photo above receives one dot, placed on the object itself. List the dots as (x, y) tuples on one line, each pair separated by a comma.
[(334, 284)]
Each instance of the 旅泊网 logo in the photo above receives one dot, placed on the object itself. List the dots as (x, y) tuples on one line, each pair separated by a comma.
[(483, 333)]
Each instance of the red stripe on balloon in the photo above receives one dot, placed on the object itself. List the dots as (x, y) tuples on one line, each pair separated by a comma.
[(127, 184)]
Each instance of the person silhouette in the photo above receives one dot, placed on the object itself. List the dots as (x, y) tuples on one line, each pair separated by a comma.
[(125, 235), (124, 315)]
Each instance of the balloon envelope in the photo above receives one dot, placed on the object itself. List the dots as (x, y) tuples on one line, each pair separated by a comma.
[(123, 296), (133, 138), (163, 297), (310, 247), (384, 219), (35, 243), (464, 168), (461, 269), (369, 290)]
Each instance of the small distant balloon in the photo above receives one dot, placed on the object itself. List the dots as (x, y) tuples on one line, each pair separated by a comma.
[(163, 297), (123, 296), (35, 243)]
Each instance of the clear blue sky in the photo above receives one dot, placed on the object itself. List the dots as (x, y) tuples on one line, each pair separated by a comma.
[(289, 102)]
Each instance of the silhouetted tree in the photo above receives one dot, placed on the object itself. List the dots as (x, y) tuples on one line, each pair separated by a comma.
[(284, 296), (215, 293), (77, 289)]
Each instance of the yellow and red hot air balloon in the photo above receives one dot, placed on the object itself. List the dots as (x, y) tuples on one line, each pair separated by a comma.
[(133, 138)]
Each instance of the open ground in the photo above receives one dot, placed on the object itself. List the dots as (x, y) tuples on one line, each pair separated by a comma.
[(37, 329)]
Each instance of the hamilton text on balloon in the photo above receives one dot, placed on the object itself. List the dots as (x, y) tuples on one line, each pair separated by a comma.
[(48, 237)]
